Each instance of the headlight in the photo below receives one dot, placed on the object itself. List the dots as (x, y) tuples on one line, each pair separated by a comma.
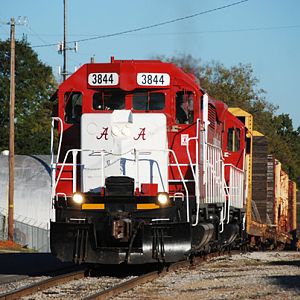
[(116, 131), (78, 198), (126, 131), (163, 199)]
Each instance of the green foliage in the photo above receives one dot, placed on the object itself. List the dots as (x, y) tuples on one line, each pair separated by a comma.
[(34, 85), (238, 87), (285, 144)]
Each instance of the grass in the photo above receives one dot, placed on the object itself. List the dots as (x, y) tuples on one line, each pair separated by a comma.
[(11, 246)]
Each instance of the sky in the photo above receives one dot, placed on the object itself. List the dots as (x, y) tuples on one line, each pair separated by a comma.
[(263, 33)]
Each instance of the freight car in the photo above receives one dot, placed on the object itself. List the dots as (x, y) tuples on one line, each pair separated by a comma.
[(271, 199), (148, 166)]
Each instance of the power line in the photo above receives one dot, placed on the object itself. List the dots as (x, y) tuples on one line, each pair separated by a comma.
[(36, 34), (248, 29), (229, 30), (269, 28), (150, 26)]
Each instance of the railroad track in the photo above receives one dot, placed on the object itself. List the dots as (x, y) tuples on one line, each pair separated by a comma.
[(42, 285), (130, 284), (111, 289)]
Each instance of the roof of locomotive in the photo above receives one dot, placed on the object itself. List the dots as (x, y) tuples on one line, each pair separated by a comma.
[(130, 68)]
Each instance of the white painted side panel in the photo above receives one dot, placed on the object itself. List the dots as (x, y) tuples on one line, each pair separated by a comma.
[(124, 143)]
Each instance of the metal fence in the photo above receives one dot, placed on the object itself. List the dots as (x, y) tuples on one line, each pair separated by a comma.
[(27, 235)]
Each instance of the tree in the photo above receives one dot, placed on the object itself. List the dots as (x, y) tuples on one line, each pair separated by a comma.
[(236, 86), (34, 85), (288, 145)]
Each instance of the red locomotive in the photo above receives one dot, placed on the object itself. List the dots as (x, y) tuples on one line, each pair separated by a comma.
[(148, 168)]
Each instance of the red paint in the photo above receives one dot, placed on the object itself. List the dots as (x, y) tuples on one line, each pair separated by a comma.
[(149, 189)]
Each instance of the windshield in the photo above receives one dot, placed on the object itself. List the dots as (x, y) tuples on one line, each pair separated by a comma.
[(144, 100), (109, 100), (118, 99)]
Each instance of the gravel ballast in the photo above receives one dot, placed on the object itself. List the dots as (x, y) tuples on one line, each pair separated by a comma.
[(257, 275)]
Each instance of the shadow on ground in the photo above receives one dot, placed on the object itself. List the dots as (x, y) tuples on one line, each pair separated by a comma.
[(287, 282), (286, 263), (30, 263), (39, 264)]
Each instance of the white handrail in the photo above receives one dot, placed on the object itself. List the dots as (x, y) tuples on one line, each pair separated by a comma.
[(100, 152), (103, 153), (205, 138), (61, 194), (179, 195), (74, 173), (195, 172), (63, 164), (222, 220), (215, 184), (53, 170), (184, 184), (236, 186), (137, 174), (52, 138), (244, 222)]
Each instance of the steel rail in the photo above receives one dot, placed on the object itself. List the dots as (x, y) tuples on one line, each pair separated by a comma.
[(115, 290), (42, 285), (124, 286), (134, 282)]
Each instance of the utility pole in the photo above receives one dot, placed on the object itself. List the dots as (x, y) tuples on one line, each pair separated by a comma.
[(62, 46), (65, 42), (11, 133)]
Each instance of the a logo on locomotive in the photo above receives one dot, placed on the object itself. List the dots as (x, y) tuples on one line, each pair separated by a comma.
[(104, 134), (141, 135)]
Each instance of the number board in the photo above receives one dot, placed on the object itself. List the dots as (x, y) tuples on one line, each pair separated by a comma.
[(99, 79), (153, 79)]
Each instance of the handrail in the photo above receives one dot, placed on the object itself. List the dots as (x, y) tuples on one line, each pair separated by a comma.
[(103, 153), (195, 173), (136, 154), (184, 185), (52, 151), (222, 220), (236, 188), (61, 194), (64, 163), (234, 167), (216, 170), (52, 138), (179, 195)]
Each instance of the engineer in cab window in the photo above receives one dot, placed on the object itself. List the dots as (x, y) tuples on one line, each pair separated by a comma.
[(181, 109), (190, 107)]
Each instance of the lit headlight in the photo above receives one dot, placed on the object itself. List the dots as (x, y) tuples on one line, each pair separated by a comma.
[(78, 198), (163, 198)]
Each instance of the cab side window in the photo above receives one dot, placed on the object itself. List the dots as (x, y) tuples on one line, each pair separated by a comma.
[(237, 145), (108, 100), (233, 139), (73, 107), (184, 107)]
